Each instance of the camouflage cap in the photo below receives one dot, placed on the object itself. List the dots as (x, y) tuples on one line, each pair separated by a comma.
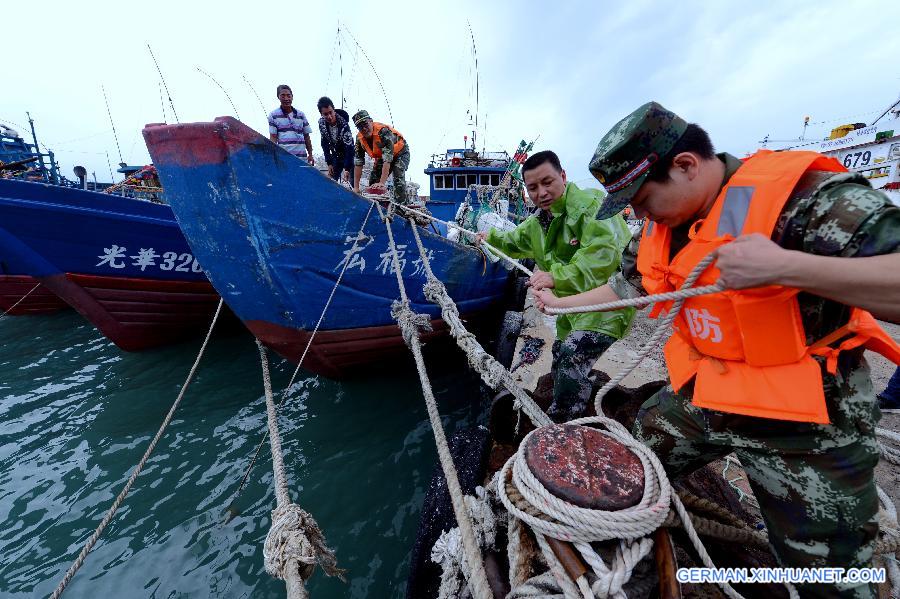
[(626, 153), (361, 117)]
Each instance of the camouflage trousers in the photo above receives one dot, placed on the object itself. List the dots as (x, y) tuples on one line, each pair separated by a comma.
[(398, 174), (573, 359), (814, 483)]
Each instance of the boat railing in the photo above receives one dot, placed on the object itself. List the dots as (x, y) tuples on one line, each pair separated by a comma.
[(456, 159)]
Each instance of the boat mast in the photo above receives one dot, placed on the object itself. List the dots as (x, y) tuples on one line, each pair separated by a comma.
[(889, 108), (475, 56), (115, 135), (53, 174), (163, 79)]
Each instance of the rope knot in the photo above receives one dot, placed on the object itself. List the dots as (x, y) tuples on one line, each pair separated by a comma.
[(435, 292), (295, 535), (410, 323), (449, 552)]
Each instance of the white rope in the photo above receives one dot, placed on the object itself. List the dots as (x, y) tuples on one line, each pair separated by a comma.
[(294, 543), (551, 516), (511, 261), (491, 371), (889, 526), (888, 452), (639, 302), (22, 299), (661, 329), (409, 323), (89, 545), (448, 551)]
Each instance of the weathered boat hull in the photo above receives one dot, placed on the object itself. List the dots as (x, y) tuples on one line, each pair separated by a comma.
[(274, 235), (122, 263), (19, 291)]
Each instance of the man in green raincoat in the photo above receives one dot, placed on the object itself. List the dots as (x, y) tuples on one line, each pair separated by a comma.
[(574, 252)]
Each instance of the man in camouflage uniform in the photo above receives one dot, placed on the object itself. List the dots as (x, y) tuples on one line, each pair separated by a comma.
[(380, 141), (574, 252), (814, 482)]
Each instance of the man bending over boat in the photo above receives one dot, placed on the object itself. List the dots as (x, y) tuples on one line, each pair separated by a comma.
[(337, 140), (773, 369), (387, 147), (574, 252), (289, 128)]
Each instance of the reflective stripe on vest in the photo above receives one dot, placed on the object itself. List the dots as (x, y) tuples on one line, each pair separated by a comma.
[(375, 152), (746, 350)]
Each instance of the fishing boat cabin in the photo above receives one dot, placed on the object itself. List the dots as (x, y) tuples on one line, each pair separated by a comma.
[(22, 160), (452, 174)]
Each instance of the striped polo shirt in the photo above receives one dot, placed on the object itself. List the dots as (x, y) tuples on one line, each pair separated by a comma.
[(290, 127)]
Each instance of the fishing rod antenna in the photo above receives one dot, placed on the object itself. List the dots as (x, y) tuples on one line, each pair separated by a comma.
[(163, 79), (258, 99), (115, 135), (224, 91), (384, 93)]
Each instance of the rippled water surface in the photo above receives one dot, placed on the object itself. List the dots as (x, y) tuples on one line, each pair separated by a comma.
[(76, 414)]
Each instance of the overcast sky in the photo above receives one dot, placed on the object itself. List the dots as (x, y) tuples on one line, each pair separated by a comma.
[(564, 71)]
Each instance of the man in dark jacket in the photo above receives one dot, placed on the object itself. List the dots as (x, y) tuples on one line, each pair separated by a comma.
[(337, 140)]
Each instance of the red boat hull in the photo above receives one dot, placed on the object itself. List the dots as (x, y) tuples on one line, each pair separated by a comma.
[(138, 314), (337, 353), (40, 301)]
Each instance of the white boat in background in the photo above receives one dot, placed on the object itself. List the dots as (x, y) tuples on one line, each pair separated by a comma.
[(872, 150)]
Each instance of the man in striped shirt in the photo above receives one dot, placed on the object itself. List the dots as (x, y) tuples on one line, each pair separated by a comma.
[(289, 128)]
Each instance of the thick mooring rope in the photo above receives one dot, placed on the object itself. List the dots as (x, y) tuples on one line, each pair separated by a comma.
[(410, 324), (294, 543), (491, 371), (400, 208), (137, 469), (359, 236), (527, 499)]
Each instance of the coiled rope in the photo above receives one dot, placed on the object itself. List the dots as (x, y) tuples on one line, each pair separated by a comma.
[(550, 516), (137, 470)]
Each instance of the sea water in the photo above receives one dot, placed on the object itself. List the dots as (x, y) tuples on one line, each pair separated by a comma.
[(77, 413)]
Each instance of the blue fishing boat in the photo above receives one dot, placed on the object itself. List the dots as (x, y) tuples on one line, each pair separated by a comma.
[(121, 262), (274, 235), (21, 294), (453, 176)]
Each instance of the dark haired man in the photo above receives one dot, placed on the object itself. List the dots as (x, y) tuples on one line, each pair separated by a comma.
[(775, 374), (574, 252), (387, 147), (337, 140), (288, 126)]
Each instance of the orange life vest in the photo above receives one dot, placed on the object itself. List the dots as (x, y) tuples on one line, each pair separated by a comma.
[(747, 349), (375, 152)]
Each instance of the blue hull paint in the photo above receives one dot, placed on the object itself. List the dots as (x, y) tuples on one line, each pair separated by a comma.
[(122, 263), (273, 235), (47, 230)]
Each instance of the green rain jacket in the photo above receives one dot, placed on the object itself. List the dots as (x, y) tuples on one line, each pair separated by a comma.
[(579, 251)]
